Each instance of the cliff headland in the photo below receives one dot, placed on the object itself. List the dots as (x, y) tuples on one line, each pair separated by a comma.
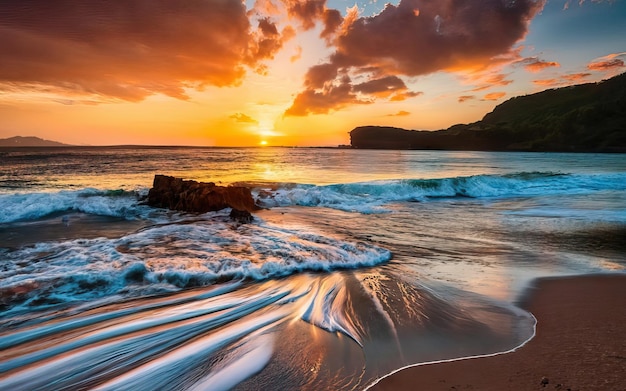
[(583, 118)]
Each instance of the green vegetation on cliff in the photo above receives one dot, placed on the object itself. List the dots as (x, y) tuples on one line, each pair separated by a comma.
[(583, 118)]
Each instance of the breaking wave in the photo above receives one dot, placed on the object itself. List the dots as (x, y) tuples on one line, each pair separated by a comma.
[(371, 197), (170, 257), (32, 206), (362, 197)]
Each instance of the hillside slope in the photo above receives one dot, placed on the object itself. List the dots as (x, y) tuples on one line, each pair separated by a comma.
[(583, 118), (19, 141)]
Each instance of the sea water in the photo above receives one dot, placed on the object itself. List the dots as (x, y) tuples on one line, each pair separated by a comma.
[(361, 262)]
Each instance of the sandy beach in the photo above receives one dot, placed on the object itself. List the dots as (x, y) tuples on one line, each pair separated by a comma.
[(580, 344)]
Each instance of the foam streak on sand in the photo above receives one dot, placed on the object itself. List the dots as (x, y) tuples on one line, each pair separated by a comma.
[(162, 334), (202, 337), (580, 344)]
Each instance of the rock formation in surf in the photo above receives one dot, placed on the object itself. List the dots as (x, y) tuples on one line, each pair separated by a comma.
[(201, 197)]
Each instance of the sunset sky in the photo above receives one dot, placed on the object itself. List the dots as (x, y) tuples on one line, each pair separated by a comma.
[(286, 72)]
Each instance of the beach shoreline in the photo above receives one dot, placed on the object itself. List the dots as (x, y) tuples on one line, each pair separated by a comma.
[(579, 344)]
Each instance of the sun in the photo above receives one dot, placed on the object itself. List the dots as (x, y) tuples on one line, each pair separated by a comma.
[(263, 143)]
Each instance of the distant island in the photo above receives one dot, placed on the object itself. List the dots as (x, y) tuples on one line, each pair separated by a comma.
[(19, 141), (583, 118)]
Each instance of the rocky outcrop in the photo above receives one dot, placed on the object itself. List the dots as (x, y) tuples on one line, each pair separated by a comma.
[(201, 197)]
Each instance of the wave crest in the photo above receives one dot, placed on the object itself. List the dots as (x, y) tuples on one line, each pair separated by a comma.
[(31, 206), (370, 197), (171, 257)]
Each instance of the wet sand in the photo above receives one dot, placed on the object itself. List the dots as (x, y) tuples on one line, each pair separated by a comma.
[(580, 344)]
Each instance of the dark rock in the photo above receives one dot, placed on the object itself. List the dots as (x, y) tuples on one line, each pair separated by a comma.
[(241, 216), (191, 196), (544, 381)]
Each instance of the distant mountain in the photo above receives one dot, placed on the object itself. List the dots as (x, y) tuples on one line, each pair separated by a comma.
[(19, 141), (583, 118)]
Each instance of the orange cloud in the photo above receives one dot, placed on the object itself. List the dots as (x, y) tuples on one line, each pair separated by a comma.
[(535, 65), (309, 12), (576, 77), (447, 34), (547, 82), (266, 7), (129, 50), (325, 93), (333, 96), (465, 98), (490, 81), (563, 80), (400, 96), (401, 113), (494, 95), (306, 11), (332, 21), (297, 55), (241, 117), (607, 63)]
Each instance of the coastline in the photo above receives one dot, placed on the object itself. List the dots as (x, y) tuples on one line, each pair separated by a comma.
[(579, 344)]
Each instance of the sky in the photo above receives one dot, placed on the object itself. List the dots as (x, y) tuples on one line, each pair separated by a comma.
[(286, 72)]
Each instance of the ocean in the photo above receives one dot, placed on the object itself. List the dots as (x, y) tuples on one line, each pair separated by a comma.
[(360, 263)]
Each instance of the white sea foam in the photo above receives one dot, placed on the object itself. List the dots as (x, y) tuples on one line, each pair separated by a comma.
[(135, 341), (31, 206), (173, 256), (609, 215), (251, 357), (371, 197), (363, 197), (326, 308), (159, 371)]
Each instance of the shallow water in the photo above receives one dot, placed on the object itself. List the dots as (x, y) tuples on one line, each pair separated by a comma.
[(365, 261)]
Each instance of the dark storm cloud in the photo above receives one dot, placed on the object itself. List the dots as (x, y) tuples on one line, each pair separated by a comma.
[(309, 12), (418, 37), (332, 19), (129, 50), (389, 86), (383, 86)]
